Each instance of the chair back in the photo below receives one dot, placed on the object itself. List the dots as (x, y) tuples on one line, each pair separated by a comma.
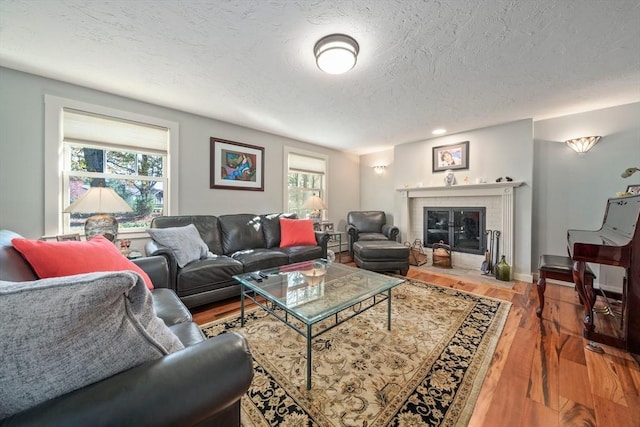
[(367, 221)]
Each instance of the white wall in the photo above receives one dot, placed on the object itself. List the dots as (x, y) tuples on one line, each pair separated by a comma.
[(22, 156), (377, 190), (563, 190), (497, 151), (571, 190)]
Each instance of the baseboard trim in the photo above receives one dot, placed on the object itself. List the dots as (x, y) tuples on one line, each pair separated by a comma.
[(523, 277)]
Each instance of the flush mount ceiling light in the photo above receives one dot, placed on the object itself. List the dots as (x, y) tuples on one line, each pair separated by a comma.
[(336, 53), (584, 144), (439, 131)]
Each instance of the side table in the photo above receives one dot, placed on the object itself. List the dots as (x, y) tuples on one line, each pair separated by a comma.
[(335, 240)]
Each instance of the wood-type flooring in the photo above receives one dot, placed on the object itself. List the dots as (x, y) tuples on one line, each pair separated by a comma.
[(541, 374)]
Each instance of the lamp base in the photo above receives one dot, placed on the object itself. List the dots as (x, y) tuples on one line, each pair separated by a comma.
[(102, 224)]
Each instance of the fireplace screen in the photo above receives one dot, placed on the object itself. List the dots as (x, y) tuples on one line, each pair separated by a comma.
[(461, 228)]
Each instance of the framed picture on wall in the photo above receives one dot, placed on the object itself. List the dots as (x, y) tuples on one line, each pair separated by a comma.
[(633, 189), (454, 156), (236, 166)]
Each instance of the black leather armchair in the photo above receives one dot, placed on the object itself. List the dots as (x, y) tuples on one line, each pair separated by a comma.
[(369, 225)]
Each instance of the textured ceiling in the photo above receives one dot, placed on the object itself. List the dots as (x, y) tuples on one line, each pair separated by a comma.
[(457, 64)]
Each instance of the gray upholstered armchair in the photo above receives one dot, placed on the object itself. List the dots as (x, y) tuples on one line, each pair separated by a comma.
[(369, 225)]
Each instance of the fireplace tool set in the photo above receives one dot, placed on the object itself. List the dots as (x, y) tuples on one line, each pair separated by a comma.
[(488, 265)]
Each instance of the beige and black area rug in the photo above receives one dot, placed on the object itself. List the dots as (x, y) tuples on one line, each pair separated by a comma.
[(426, 371)]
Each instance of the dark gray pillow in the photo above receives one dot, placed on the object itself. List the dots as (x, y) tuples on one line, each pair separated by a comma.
[(64, 333), (185, 242)]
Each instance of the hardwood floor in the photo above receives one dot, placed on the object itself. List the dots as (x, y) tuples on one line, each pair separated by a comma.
[(541, 374)]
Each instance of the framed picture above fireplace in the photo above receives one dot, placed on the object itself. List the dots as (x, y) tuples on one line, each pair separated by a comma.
[(453, 156)]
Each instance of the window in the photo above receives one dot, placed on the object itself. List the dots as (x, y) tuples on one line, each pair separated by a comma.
[(306, 176), (97, 146)]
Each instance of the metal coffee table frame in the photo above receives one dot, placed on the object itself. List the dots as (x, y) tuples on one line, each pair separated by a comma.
[(252, 288)]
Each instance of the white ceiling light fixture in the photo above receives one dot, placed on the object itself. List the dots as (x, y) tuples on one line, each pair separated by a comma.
[(439, 131), (336, 53)]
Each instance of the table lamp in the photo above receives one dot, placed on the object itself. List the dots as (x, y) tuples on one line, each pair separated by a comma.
[(316, 205), (99, 200)]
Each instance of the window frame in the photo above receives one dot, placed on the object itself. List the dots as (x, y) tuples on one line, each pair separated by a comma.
[(325, 181), (54, 155)]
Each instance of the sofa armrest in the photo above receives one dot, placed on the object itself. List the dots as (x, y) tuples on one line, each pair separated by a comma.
[(157, 269), (185, 388), (154, 249), (391, 231), (352, 233), (322, 238)]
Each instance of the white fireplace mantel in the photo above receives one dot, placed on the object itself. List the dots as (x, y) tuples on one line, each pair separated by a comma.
[(464, 190), (501, 189)]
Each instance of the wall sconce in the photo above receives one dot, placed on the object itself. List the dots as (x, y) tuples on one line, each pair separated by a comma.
[(628, 172), (336, 53), (379, 170), (584, 144)]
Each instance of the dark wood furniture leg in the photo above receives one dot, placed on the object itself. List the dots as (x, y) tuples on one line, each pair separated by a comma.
[(561, 268), (542, 286)]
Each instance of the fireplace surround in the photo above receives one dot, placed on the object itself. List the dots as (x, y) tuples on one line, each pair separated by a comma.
[(498, 198), (462, 228)]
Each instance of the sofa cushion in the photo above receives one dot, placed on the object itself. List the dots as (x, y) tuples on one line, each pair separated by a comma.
[(271, 228), (169, 308), (302, 253), (241, 231), (207, 272), (188, 333), (260, 259), (185, 242), (64, 333), (297, 232), (372, 236), (56, 259)]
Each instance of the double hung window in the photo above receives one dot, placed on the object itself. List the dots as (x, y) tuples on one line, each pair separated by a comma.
[(306, 176), (131, 156)]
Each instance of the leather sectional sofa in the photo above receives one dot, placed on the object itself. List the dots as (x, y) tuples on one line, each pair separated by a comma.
[(199, 385), (239, 243)]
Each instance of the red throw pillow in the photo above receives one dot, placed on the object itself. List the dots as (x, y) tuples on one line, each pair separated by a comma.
[(56, 259), (297, 232)]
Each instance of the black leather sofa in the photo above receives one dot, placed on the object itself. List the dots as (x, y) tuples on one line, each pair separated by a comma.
[(199, 385), (241, 243), (368, 226)]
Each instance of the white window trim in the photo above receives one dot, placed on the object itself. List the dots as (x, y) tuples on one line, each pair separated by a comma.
[(301, 152), (53, 156)]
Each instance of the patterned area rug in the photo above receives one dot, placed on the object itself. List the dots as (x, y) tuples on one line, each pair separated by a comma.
[(426, 371)]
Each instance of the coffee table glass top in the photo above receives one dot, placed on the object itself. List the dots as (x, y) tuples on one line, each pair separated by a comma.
[(314, 290)]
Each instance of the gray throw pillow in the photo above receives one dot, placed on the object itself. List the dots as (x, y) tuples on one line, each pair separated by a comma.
[(64, 333), (185, 242)]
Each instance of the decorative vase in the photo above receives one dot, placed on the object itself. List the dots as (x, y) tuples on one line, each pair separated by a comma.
[(503, 271)]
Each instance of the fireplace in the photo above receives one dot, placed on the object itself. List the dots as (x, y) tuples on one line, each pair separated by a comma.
[(461, 228)]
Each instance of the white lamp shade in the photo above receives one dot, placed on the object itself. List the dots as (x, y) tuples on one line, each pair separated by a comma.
[(99, 200), (336, 54), (314, 203)]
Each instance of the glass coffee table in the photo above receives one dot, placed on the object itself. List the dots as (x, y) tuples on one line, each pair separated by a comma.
[(313, 291)]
